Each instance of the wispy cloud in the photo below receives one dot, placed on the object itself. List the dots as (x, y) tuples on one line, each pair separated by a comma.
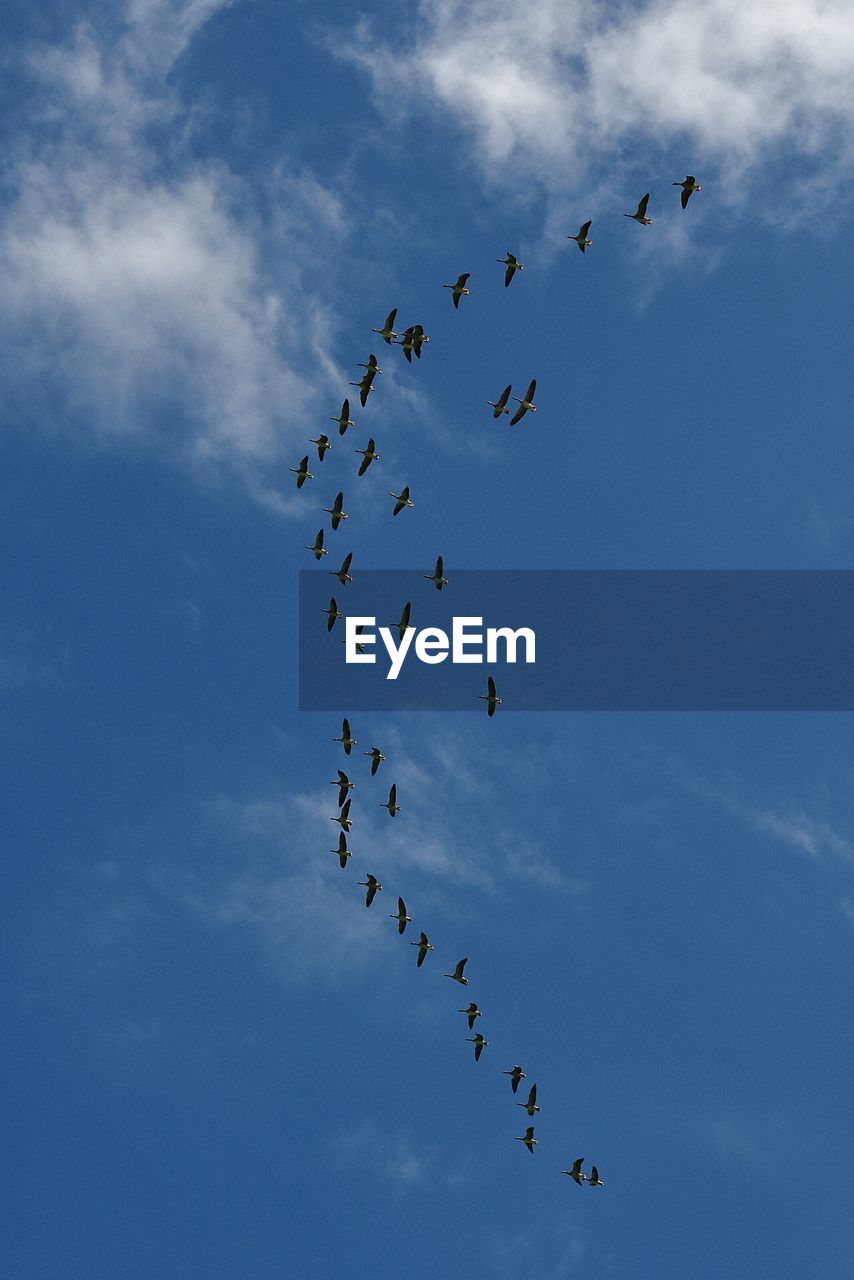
[(369, 1147), (558, 90), (146, 293)]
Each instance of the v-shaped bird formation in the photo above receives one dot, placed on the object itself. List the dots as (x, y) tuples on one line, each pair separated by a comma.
[(412, 340)]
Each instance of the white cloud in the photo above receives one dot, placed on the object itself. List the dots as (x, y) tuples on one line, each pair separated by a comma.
[(563, 88), (141, 292)]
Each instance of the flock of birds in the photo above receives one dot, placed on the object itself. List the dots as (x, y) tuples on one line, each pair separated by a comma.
[(411, 340)]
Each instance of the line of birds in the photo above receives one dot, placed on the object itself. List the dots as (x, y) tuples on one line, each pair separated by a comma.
[(372, 886), (411, 341)]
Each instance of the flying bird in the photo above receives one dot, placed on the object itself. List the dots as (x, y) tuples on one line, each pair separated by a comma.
[(575, 1172), (332, 613), (424, 945), (594, 1180), (499, 406), (322, 443), (400, 916), (436, 576), (344, 421), (690, 184), (368, 456), (343, 574), (343, 852), (457, 975), (639, 214), (370, 364), (401, 500), (344, 785), (479, 1045), (318, 548), (490, 697), (366, 386), (581, 239), (531, 1105), (526, 403), (529, 1140), (459, 288), (377, 758), (302, 472), (387, 332), (343, 818), (373, 887), (471, 1013), (515, 1075), (513, 265), (347, 740), (336, 511), (391, 804), (419, 337), (404, 620)]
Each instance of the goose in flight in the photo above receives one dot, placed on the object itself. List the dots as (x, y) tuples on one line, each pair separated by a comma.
[(419, 337), (690, 184), (344, 820), (513, 265), (401, 500), (424, 945), (343, 574), (575, 1172), (343, 852), (368, 456), (436, 576), (371, 365), (581, 239), (479, 1045), (400, 916), (387, 332), (302, 472), (337, 511), (499, 406), (332, 613), (373, 887), (594, 1180), (531, 1105), (471, 1013), (515, 1075), (529, 1140), (490, 697), (459, 288), (347, 740), (377, 758), (403, 624), (322, 443), (318, 548), (639, 214), (344, 785), (344, 421), (366, 386), (391, 804), (526, 403), (457, 975)]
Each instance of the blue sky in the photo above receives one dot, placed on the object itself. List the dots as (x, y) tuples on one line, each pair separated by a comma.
[(219, 1064)]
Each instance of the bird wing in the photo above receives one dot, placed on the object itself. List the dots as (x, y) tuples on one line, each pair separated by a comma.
[(371, 894), (392, 794), (594, 1174), (345, 409), (532, 1096), (490, 684), (404, 617), (348, 560), (404, 494), (456, 299), (691, 179), (509, 273), (375, 764), (505, 396), (363, 465), (642, 206), (389, 320), (345, 811), (461, 280), (685, 196), (532, 390), (585, 227), (576, 1165), (519, 414), (461, 964), (439, 567)]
